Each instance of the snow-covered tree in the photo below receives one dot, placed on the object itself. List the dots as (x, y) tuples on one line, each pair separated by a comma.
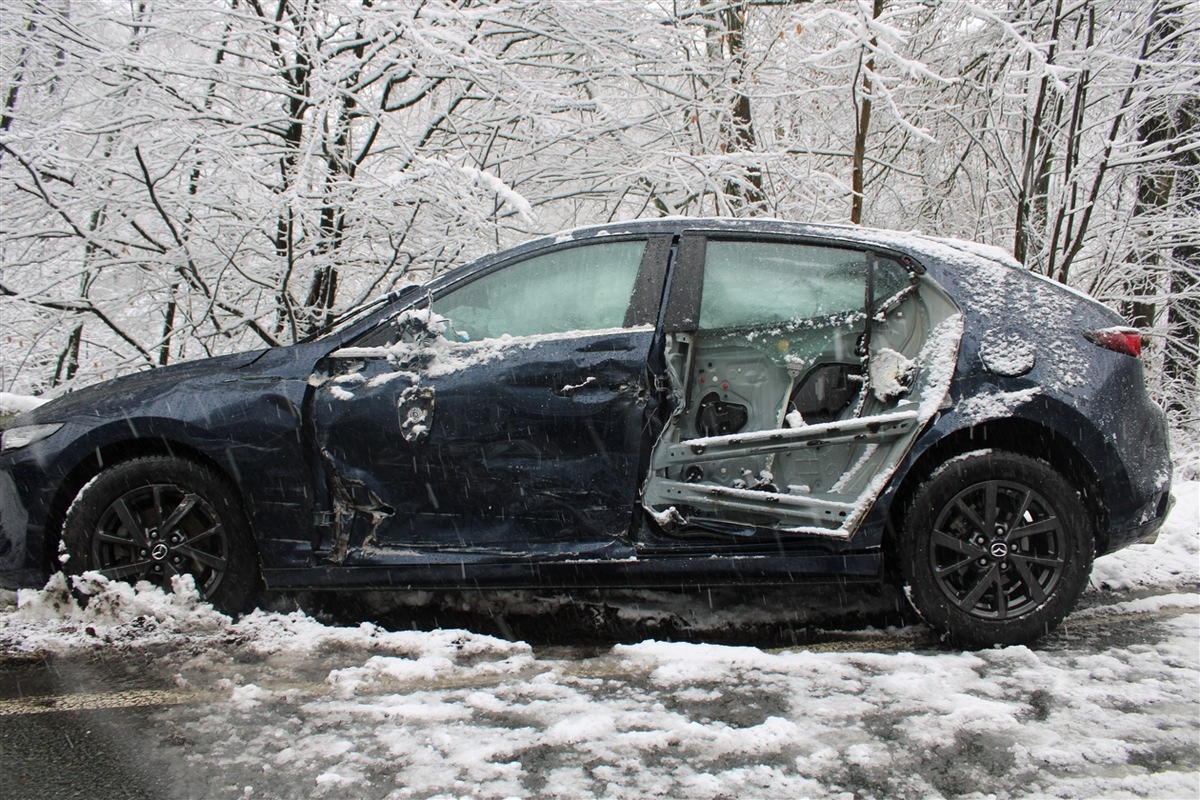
[(178, 179)]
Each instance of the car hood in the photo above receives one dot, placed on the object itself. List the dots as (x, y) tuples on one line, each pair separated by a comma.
[(112, 397)]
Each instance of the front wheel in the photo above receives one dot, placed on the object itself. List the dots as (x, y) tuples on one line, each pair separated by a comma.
[(996, 549), (155, 518)]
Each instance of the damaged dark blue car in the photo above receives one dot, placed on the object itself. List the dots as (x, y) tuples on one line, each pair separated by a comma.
[(669, 403)]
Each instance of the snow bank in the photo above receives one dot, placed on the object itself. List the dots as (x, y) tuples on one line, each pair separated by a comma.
[(102, 612)]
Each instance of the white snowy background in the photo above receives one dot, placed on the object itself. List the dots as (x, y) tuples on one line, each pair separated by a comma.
[(280, 704)]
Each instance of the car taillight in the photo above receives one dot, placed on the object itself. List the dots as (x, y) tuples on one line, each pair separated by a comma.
[(1120, 340)]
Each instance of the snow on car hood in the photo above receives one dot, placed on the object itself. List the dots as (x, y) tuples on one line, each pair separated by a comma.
[(119, 394)]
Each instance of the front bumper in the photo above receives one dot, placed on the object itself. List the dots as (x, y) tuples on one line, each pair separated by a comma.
[(15, 573), (25, 499)]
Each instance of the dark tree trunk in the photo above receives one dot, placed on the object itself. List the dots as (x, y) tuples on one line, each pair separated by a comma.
[(862, 125), (1182, 356)]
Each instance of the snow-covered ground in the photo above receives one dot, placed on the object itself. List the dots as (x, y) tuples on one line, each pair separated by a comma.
[(279, 704)]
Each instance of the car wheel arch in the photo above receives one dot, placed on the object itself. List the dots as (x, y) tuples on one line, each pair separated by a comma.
[(109, 455), (1015, 435), (159, 516), (996, 548)]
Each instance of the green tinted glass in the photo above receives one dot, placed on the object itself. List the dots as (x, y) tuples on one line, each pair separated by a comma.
[(581, 288)]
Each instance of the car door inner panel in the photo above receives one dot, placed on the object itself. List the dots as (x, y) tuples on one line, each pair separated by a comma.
[(795, 395)]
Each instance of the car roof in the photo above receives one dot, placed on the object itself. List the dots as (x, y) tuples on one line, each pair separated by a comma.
[(915, 243), (940, 253)]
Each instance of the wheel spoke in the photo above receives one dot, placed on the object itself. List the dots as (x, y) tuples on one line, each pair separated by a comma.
[(970, 514), (185, 506), (1027, 576), (199, 537), (990, 578), (1045, 561), (156, 494), (950, 569), (207, 559), (1041, 526), (1022, 509), (130, 522), (941, 539), (109, 538), (989, 507), (124, 571), (1001, 599)]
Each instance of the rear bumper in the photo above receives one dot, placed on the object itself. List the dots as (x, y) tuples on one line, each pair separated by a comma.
[(1155, 514)]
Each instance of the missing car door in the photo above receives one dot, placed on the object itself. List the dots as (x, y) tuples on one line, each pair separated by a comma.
[(795, 389)]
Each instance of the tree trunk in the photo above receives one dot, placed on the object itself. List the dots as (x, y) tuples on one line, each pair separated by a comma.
[(1182, 352), (1030, 174), (861, 126), (737, 135)]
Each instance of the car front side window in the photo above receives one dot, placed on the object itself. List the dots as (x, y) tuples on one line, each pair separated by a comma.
[(574, 289)]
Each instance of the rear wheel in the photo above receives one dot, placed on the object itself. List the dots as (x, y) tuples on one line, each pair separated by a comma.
[(155, 518), (996, 549)]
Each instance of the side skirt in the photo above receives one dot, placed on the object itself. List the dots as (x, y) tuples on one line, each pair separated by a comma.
[(641, 573)]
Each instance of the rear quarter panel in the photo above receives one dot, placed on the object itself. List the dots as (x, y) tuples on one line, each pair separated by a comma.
[(1083, 396)]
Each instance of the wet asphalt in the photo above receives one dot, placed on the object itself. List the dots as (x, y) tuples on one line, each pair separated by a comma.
[(98, 725), (80, 750)]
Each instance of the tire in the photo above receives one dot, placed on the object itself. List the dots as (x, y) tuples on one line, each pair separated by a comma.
[(153, 518), (976, 575)]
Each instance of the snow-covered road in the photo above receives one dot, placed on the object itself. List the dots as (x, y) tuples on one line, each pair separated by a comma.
[(281, 705)]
